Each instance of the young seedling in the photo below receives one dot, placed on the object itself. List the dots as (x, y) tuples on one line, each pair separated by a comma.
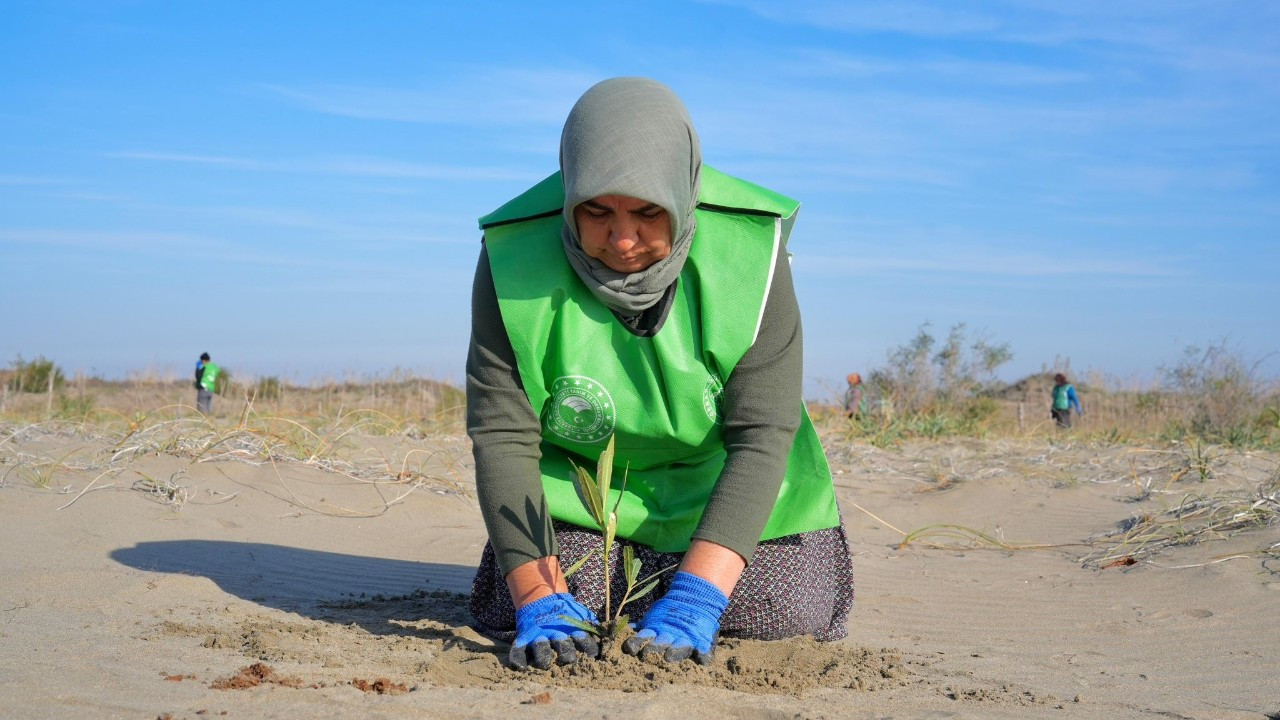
[(594, 494)]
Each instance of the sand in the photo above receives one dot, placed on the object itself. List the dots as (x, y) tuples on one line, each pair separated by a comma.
[(150, 583)]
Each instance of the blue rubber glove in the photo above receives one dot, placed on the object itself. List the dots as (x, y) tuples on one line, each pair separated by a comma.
[(541, 632), (683, 623)]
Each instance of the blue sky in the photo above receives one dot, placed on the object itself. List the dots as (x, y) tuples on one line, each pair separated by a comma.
[(293, 186)]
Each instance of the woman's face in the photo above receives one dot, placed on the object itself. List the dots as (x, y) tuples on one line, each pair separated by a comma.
[(625, 233)]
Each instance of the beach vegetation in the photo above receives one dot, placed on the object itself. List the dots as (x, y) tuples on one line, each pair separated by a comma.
[(222, 384), (1196, 517), (268, 388), (75, 407), (34, 376), (38, 471), (1225, 398), (930, 389), (164, 491), (1198, 460)]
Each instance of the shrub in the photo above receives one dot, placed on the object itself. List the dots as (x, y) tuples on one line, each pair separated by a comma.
[(268, 388), (77, 408), (938, 392), (223, 383), (33, 375), (1223, 397)]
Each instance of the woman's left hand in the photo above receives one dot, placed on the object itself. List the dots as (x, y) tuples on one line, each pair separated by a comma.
[(682, 624)]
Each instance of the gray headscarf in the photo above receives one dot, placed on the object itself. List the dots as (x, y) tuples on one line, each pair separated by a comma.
[(630, 136)]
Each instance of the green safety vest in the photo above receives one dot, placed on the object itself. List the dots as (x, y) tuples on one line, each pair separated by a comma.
[(1060, 401), (209, 378), (588, 377)]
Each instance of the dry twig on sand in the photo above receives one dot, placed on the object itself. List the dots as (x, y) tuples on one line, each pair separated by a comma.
[(1197, 518), (166, 492)]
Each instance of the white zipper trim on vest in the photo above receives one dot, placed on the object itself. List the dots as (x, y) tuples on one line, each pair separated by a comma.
[(768, 283)]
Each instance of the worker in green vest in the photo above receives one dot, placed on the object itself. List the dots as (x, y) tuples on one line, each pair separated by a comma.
[(641, 296), (206, 383), (1063, 399)]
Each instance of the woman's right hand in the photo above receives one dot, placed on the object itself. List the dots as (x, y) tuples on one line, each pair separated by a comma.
[(543, 633)]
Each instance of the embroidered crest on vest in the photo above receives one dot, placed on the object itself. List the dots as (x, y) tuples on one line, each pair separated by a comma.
[(713, 398), (581, 410)]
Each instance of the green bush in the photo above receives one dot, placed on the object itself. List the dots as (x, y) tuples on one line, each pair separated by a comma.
[(918, 380), (33, 375), (931, 393), (75, 408), (1222, 396), (977, 411), (268, 388), (223, 383)]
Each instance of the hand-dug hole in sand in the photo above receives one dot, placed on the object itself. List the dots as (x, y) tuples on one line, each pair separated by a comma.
[(424, 636)]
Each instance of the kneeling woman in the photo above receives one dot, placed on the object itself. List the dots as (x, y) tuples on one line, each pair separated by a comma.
[(640, 295)]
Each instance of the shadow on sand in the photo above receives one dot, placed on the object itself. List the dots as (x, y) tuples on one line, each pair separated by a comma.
[(372, 592)]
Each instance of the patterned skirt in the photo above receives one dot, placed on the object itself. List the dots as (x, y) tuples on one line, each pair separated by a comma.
[(795, 585)]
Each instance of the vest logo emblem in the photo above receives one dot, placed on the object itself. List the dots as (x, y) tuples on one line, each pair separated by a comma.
[(581, 410), (713, 398)]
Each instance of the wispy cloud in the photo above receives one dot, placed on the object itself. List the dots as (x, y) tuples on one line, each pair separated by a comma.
[(213, 249), (811, 62), (472, 97), (1240, 38), (382, 167), (847, 139), (97, 197), (864, 174), (384, 229), (31, 180), (1154, 24), (105, 241), (190, 158), (353, 165), (987, 262), (1155, 179), (914, 18)]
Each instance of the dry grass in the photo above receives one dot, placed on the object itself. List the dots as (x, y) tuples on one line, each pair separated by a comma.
[(412, 405), (1113, 416), (383, 435), (1194, 518), (388, 434), (1192, 492)]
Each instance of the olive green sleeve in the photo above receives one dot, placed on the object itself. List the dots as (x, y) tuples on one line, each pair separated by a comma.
[(762, 404), (505, 436)]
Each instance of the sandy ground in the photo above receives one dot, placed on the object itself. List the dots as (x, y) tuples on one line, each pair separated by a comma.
[(254, 589)]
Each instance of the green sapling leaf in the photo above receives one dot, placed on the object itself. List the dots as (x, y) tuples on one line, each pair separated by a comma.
[(610, 532), (589, 494), (578, 565), (583, 625), (631, 564), (643, 591), (604, 472), (619, 625)]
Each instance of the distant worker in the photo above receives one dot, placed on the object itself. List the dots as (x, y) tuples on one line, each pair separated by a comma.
[(206, 383), (1064, 398), (853, 396)]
